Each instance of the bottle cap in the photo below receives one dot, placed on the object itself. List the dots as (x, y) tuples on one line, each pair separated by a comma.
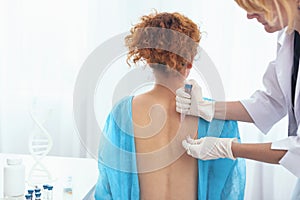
[(37, 190), (50, 187), (28, 196), (14, 161), (38, 194), (45, 187), (30, 191)]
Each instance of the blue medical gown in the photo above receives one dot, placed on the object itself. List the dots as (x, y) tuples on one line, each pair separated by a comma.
[(118, 178)]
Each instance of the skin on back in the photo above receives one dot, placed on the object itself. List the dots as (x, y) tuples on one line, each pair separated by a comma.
[(165, 170)]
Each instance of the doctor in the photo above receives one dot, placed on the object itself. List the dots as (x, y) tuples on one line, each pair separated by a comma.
[(264, 108)]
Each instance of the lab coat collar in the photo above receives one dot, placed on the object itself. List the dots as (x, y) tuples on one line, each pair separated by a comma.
[(281, 36)]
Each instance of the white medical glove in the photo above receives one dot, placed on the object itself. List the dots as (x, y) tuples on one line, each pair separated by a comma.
[(194, 104), (209, 148)]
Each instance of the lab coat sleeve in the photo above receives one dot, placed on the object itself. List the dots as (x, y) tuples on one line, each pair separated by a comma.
[(269, 106), (291, 160)]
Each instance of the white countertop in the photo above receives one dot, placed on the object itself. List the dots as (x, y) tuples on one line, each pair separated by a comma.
[(84, 173)]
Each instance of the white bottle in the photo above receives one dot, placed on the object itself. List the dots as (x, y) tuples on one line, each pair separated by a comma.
[(14, 178)]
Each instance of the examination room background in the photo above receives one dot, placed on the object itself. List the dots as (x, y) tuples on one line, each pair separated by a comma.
[(43, 45)]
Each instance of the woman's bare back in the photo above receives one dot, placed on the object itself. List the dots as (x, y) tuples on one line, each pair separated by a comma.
[(165, 170)]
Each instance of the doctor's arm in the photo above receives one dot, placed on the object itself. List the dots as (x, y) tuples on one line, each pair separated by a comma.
[(233, 110), (259, 152)]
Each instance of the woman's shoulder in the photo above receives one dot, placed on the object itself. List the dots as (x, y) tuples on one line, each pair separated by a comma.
[(123, 102), (121, 108), (141, 99), (128, 104), (142, 102)]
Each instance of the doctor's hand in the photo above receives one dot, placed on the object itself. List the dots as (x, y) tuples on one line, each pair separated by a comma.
[(193, 104), (209, 148)]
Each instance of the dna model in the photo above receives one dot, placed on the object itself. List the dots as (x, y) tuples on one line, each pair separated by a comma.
[(40, 143)]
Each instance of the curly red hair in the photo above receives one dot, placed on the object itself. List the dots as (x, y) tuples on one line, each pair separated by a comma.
[(161, 39)]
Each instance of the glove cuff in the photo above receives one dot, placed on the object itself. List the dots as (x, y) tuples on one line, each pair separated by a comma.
[(206, 110), (229, 150)]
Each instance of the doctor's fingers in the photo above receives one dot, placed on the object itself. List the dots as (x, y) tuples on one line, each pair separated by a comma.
[(182, 111), (183, 105), (194, 141), (181, 93), (183, 100), (195, 150), (187, 146)]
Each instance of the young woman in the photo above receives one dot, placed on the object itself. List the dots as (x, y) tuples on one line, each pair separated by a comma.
[(140, 153)]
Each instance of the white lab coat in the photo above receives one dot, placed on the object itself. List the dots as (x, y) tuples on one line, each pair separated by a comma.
[(269, 106)]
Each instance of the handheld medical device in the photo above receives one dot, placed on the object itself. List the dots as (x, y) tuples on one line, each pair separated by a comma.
[(187, 89)]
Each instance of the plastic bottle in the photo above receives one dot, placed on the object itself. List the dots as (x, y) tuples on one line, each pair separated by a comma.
[(14, 178), (30, 192), (45, 192), (50, 192)]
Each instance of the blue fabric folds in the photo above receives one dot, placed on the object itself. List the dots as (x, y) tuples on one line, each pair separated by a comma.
[(221, 179)]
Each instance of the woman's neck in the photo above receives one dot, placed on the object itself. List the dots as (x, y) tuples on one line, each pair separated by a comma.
[(167, 87), (164, 91), (172, 83)]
